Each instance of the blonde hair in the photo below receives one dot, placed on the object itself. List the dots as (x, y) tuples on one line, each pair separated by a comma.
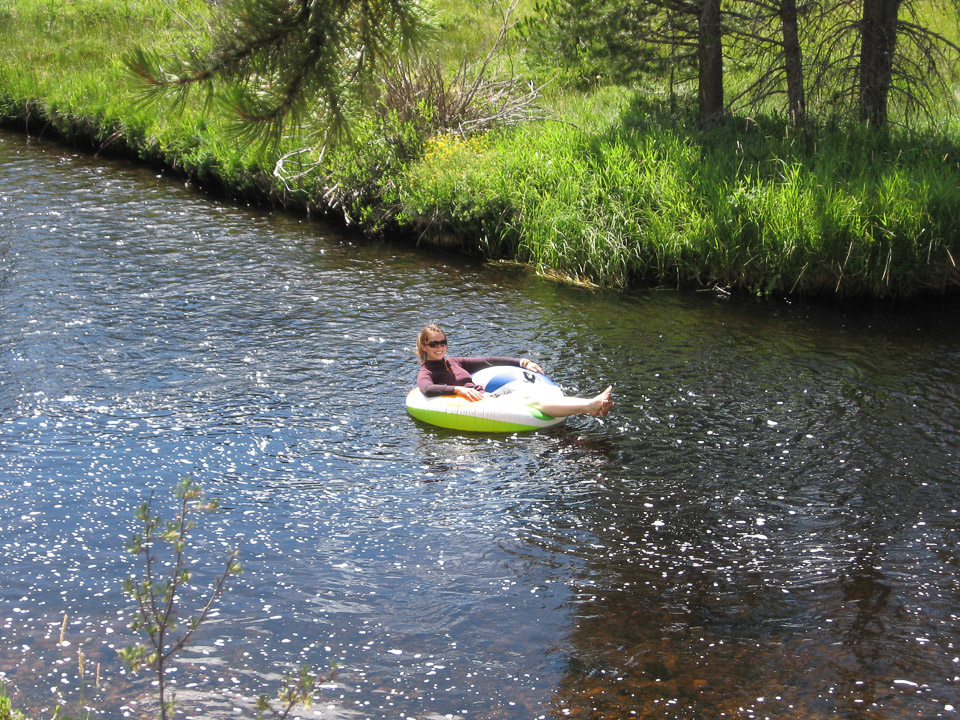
[(423, 338)]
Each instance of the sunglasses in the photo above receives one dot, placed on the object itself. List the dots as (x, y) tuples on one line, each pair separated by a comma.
[(436, 343)]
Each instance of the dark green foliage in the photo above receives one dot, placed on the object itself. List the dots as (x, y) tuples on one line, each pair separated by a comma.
[(876, 61), (597, 42), (274, 64)]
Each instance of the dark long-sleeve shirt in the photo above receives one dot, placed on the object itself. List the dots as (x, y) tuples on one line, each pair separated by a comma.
[(440, 377)]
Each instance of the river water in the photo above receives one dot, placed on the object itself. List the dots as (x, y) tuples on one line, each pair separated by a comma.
[(765, 526)]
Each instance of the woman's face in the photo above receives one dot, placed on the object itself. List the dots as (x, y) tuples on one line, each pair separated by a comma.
[(435, 346)]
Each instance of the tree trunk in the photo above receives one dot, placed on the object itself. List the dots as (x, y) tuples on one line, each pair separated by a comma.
[(709, 37), (878, 39), (793, 61)]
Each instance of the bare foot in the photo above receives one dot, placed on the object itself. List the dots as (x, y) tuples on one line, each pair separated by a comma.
[(606, 403), (601, 404)]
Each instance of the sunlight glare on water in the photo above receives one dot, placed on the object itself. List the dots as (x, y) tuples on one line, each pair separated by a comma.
[(765, 526)]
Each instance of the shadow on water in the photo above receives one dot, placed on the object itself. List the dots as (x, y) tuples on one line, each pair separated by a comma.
[(764, 527), (752, 553)]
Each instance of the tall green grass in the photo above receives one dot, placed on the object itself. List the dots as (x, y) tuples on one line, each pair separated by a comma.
[(64, 57), (62, 72), (748, 208)]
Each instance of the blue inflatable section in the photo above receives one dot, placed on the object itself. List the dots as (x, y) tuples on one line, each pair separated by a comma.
[(494, 378)]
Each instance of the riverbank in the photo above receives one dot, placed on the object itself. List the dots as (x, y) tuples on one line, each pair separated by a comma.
[(610, 191)]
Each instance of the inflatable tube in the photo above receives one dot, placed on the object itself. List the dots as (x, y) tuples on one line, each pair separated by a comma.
[(507, 411)]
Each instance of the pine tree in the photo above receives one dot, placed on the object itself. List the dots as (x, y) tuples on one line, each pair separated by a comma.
[(276, 63)]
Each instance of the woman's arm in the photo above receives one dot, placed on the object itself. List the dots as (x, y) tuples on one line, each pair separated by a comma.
[(478, 363), (452, 376)]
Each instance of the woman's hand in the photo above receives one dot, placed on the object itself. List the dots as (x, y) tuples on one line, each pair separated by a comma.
[(471, 394), (528, 364)]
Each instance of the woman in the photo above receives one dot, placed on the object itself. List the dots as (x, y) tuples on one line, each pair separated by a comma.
[(443, 375)]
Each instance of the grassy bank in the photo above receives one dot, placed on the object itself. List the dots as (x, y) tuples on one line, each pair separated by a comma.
[(746, 207), (611, 191)]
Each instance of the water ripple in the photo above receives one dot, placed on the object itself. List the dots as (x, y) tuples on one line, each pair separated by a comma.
[(765, 526)]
